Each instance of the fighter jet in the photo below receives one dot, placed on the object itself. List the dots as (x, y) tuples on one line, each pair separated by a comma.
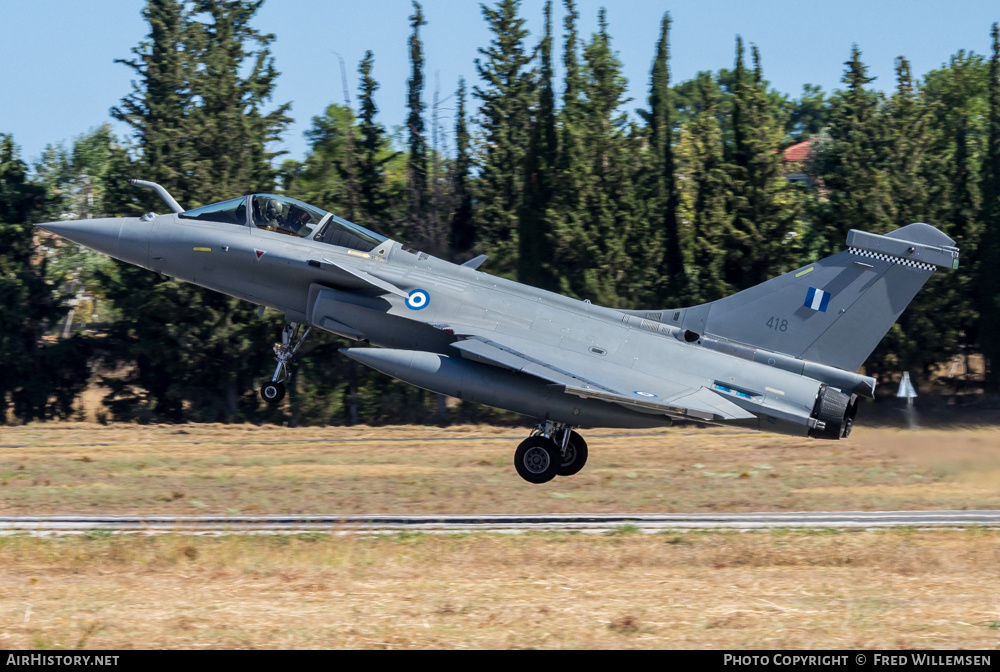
[(779, 357)]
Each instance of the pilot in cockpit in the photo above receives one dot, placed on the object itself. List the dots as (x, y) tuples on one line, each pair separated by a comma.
[(274, 212)]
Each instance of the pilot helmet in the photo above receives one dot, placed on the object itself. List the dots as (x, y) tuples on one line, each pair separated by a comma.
[(272, 208)]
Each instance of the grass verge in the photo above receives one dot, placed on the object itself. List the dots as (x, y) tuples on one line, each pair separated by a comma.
[(879, 589)]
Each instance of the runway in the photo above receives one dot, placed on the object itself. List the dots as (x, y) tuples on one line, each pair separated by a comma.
[(55, 525)]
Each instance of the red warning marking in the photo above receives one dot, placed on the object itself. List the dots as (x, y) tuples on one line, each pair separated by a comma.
[(260, 253)]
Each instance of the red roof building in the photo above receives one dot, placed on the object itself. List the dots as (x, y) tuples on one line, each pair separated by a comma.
[(796, 157)]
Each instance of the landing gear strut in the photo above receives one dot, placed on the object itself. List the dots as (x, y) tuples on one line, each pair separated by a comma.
[(553, 449), (284, 352)]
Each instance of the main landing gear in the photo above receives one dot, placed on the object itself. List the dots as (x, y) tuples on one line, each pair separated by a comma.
[(284, 352), (553, 449)]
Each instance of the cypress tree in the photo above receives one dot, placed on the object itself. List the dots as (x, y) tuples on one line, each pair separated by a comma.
[(964, 192), (956, 95), (230, 129), (852, 162), (610, 208), (417, 176), (567, 238), (373, 155), (571, 114), (960, 92), (195, 352), (989, 261), (504, 126), (674, 287), (921, 338), (534, 225), (706, 179), (738, 148), (908, 134), (462, 230), (157, 109), (760, 242)]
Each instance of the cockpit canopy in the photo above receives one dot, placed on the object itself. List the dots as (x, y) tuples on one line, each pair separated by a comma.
[(281, 214)]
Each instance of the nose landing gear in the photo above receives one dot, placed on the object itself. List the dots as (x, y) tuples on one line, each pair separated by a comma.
[(553, 449), (284, 352)]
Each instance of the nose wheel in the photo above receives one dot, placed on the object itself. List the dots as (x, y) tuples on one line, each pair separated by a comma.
[(273, 392), (553, 449), (284, 352)]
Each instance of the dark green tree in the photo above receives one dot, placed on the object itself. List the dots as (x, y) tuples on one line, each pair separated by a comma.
[(324, 177), (463, 233), (611, 214), (373, 158), (194, 353), (956, 97), (233, 81), (158, 108), (534, 225), (706, 188), (989, 246), (417, 191), (571, 114), (37, 380), (504, 124), (808, 114), (908, 134), (761, 241), (567, 214), (662, 199), (921, 338), (852, 162)]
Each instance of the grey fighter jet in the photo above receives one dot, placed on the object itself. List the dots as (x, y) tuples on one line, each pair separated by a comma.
[(779, 357)]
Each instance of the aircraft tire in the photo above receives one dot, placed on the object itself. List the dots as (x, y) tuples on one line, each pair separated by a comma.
[(272, 393), (576, 456), (537, 459)]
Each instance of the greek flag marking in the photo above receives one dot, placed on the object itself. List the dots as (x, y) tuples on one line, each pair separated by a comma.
[(817, 299)]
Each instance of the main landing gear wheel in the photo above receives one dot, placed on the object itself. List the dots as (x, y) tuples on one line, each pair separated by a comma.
[(537, 459), (553, 449), (284, 352), (574, 456), (273, 392)]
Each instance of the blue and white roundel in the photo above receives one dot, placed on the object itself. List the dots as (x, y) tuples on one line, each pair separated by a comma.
[(418, 300), (648, 395)]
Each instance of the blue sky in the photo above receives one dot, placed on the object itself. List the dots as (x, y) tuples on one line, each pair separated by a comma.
[(58, 77)]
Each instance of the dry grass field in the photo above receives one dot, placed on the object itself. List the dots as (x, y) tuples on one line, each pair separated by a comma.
[(782, 589), (89, 468), (889, 589)]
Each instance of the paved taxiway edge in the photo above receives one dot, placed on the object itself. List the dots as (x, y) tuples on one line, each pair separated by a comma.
[(376, 524)]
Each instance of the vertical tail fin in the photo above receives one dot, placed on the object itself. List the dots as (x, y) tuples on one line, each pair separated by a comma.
[(834, 311)]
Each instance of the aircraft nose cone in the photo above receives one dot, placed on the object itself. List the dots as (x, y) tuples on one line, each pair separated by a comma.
[(97, 234)]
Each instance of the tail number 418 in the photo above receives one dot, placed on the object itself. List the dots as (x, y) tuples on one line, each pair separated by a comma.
[(777, 324)]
